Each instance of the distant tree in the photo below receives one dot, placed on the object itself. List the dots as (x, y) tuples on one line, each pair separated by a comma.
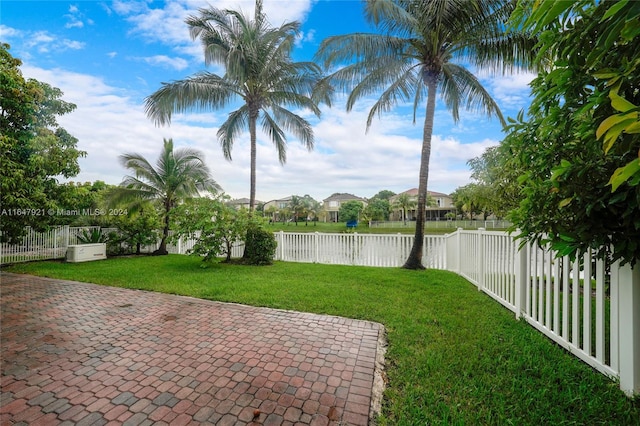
[(178, 175), (404, 203), (298, 207), (271, 212), (34, 149), (385, 194), (315, 209), (378, 209), (350, 210), (259, 71), (497, 174), (468, 199)]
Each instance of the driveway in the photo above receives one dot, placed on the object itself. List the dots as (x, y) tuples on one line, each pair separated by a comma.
[(83, 354)]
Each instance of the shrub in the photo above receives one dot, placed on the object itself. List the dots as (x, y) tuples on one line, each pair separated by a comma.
[(260, 246)]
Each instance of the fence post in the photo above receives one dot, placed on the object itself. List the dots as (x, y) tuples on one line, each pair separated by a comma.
[(481, 254), (458, 250), (280, 247), (521, 280), (316, 239), (629, 326)]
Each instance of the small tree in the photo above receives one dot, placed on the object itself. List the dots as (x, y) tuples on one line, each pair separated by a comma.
[(178, 175), (137, 228), (350, 211), (215, 226), (260, 245), (404, 202)]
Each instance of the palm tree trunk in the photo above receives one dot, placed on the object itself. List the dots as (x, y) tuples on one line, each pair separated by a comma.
[(415, 257), (162, 250), (253, 118)]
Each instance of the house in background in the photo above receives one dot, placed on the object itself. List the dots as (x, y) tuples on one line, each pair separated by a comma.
[(438, 205), (240, 203), (332, 204), (273, 208)]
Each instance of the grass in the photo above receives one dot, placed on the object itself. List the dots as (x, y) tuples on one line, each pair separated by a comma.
[(455, 356), (362, 228)]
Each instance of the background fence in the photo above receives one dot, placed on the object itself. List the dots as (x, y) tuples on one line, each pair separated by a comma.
[(586, 305)]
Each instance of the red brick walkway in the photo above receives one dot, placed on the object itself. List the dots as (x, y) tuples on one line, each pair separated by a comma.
[(82, 354)]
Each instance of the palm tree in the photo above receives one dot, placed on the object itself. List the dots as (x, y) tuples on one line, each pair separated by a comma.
[(404, 202), (258, 71), (177, 175), (413, 57)]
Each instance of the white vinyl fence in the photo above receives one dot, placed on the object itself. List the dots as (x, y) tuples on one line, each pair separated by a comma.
[(588, 307), (357, 249), (51, 244)]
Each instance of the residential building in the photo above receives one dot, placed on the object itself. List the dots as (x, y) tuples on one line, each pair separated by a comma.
[(441, 204), (273, 208), (332, 204), (240, 203)]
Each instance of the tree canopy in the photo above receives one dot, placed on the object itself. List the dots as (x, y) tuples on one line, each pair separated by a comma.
[(35, 150), (178, 175), (579, 147)]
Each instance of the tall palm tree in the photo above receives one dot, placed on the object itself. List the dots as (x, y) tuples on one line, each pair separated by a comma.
[(414, 56), (177, 175), (258, 71)]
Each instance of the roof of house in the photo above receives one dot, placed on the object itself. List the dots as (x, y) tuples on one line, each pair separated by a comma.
[(343, 196), (241, 201), (413, 192), (280, 199)]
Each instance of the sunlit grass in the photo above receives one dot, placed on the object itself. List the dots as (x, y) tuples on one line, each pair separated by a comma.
[(455, 356)]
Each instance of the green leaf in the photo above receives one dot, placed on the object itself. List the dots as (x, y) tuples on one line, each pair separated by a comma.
[(612, 121), (547, 11), (622, 174), (613, 133), (630, 31), (605, 74), (634, 128), (614, 9), (619, 103), (565, 202)]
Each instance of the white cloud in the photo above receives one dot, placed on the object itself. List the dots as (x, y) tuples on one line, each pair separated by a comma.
[(165, 61), (512, 91), (8, 32), (307, 37), (167, 25), (75, 18), (346, 159), (44, 42)]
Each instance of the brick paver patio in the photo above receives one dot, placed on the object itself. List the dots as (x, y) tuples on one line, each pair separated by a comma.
[(82, 354)]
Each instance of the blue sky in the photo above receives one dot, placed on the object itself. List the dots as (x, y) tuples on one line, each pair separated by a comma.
[(107, 56)]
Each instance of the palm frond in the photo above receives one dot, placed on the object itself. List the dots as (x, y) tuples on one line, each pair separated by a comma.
[(276, 135), (295, 125), (237, 121), (460, 84), (200, 92)]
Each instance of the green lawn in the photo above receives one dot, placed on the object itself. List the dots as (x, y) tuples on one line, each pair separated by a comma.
[(455, 356), (362, 228)]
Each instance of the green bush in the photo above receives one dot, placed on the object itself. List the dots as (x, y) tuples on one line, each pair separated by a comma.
[(260, 246)]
